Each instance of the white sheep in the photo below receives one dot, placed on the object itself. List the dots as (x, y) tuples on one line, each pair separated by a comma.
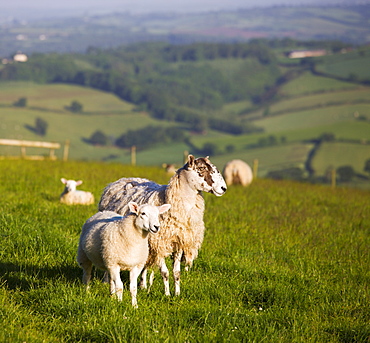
[(237, 172), (114, 243), (72, 196), (183, 226)]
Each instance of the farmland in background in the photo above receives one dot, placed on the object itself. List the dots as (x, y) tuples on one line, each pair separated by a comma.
[(312, 103)]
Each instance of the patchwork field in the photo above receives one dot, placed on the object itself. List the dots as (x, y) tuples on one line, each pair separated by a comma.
[(308, 107)]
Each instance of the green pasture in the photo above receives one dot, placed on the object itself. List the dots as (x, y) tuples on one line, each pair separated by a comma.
[(353, 96), (76, 128), (339, 154), (115, 117), (270, 158), (280, 262), (353, 65), (55, 97), (348, 130), (308, 83), (312, 118)]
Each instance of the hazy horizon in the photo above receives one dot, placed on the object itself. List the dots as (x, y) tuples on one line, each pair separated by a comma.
[(23, 9)]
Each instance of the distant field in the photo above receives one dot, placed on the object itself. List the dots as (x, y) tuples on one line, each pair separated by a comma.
[(338, 154), (353, 96), (73, 127), (308, 83), (270, 158), (353, 64), (312, 118), (114, 117), (56, 96)]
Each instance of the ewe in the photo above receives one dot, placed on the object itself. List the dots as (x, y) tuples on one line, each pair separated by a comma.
[(237, 172), (182, 227), (71, 196), (113, 243)]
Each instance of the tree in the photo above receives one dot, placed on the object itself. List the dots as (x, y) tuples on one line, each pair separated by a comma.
[(210, 149), (40, 126), (75, 107), (21, 102), (345, 173), (98, 138), (367, 166)]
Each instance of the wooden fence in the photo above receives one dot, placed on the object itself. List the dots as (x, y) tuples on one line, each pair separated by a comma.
[(35, 144)]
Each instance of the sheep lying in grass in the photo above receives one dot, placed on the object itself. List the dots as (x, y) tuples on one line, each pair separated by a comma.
[(237, 172), (71, 196), (182, 227), (113, 243)]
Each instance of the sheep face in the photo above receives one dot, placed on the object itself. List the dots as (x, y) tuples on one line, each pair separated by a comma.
[(147, 216), (70, 185), (205, 176)]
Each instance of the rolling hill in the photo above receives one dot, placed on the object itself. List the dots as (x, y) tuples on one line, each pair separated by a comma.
[(305, 108)]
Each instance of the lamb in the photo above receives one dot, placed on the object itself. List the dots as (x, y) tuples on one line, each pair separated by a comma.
[(237, 172), (113, 243), (182, 227), (71, 196)]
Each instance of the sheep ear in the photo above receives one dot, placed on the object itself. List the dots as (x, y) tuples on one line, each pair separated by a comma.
[(191, 160), (79, 182), (164, 208), (134, 207), (63, 180)]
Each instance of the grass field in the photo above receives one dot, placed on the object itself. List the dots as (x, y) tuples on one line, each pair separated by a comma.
[(353, 64), (308, 83), (56, 97), (351, 154), (281, 262)]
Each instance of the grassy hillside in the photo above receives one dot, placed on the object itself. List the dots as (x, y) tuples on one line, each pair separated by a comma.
[(302, 109), (280, 262), (352, 65)]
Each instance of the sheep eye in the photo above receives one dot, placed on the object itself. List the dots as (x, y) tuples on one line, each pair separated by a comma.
[(143, 213)]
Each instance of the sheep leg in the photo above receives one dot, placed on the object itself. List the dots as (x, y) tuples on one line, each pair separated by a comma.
[(165, 275), (144, 273), (86, 266), (86, 276), (177, 270), (134, 273), (116, 285), (151, 279)]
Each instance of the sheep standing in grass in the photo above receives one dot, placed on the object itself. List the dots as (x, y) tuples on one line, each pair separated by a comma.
[(183, 226), (72, 196), (114, 243), (237, 172)]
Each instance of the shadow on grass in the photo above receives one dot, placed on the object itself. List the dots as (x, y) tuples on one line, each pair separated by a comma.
[(25, 277)]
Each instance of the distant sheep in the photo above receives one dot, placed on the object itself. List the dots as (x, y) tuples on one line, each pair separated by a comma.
[(113, 243), (170, 168), (71, 196), (182, 227), (237, 172)]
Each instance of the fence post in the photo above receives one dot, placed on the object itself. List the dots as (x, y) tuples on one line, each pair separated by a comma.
[(23, 151), (66, 150), (133, 155), (333, 178), (186, 153), (255, 168)]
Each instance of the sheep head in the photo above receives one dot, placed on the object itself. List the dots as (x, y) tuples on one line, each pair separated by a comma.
[(204, 176)]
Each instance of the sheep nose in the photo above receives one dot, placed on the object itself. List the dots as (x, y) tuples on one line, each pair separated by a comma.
[(156, 228), (224, 188)]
